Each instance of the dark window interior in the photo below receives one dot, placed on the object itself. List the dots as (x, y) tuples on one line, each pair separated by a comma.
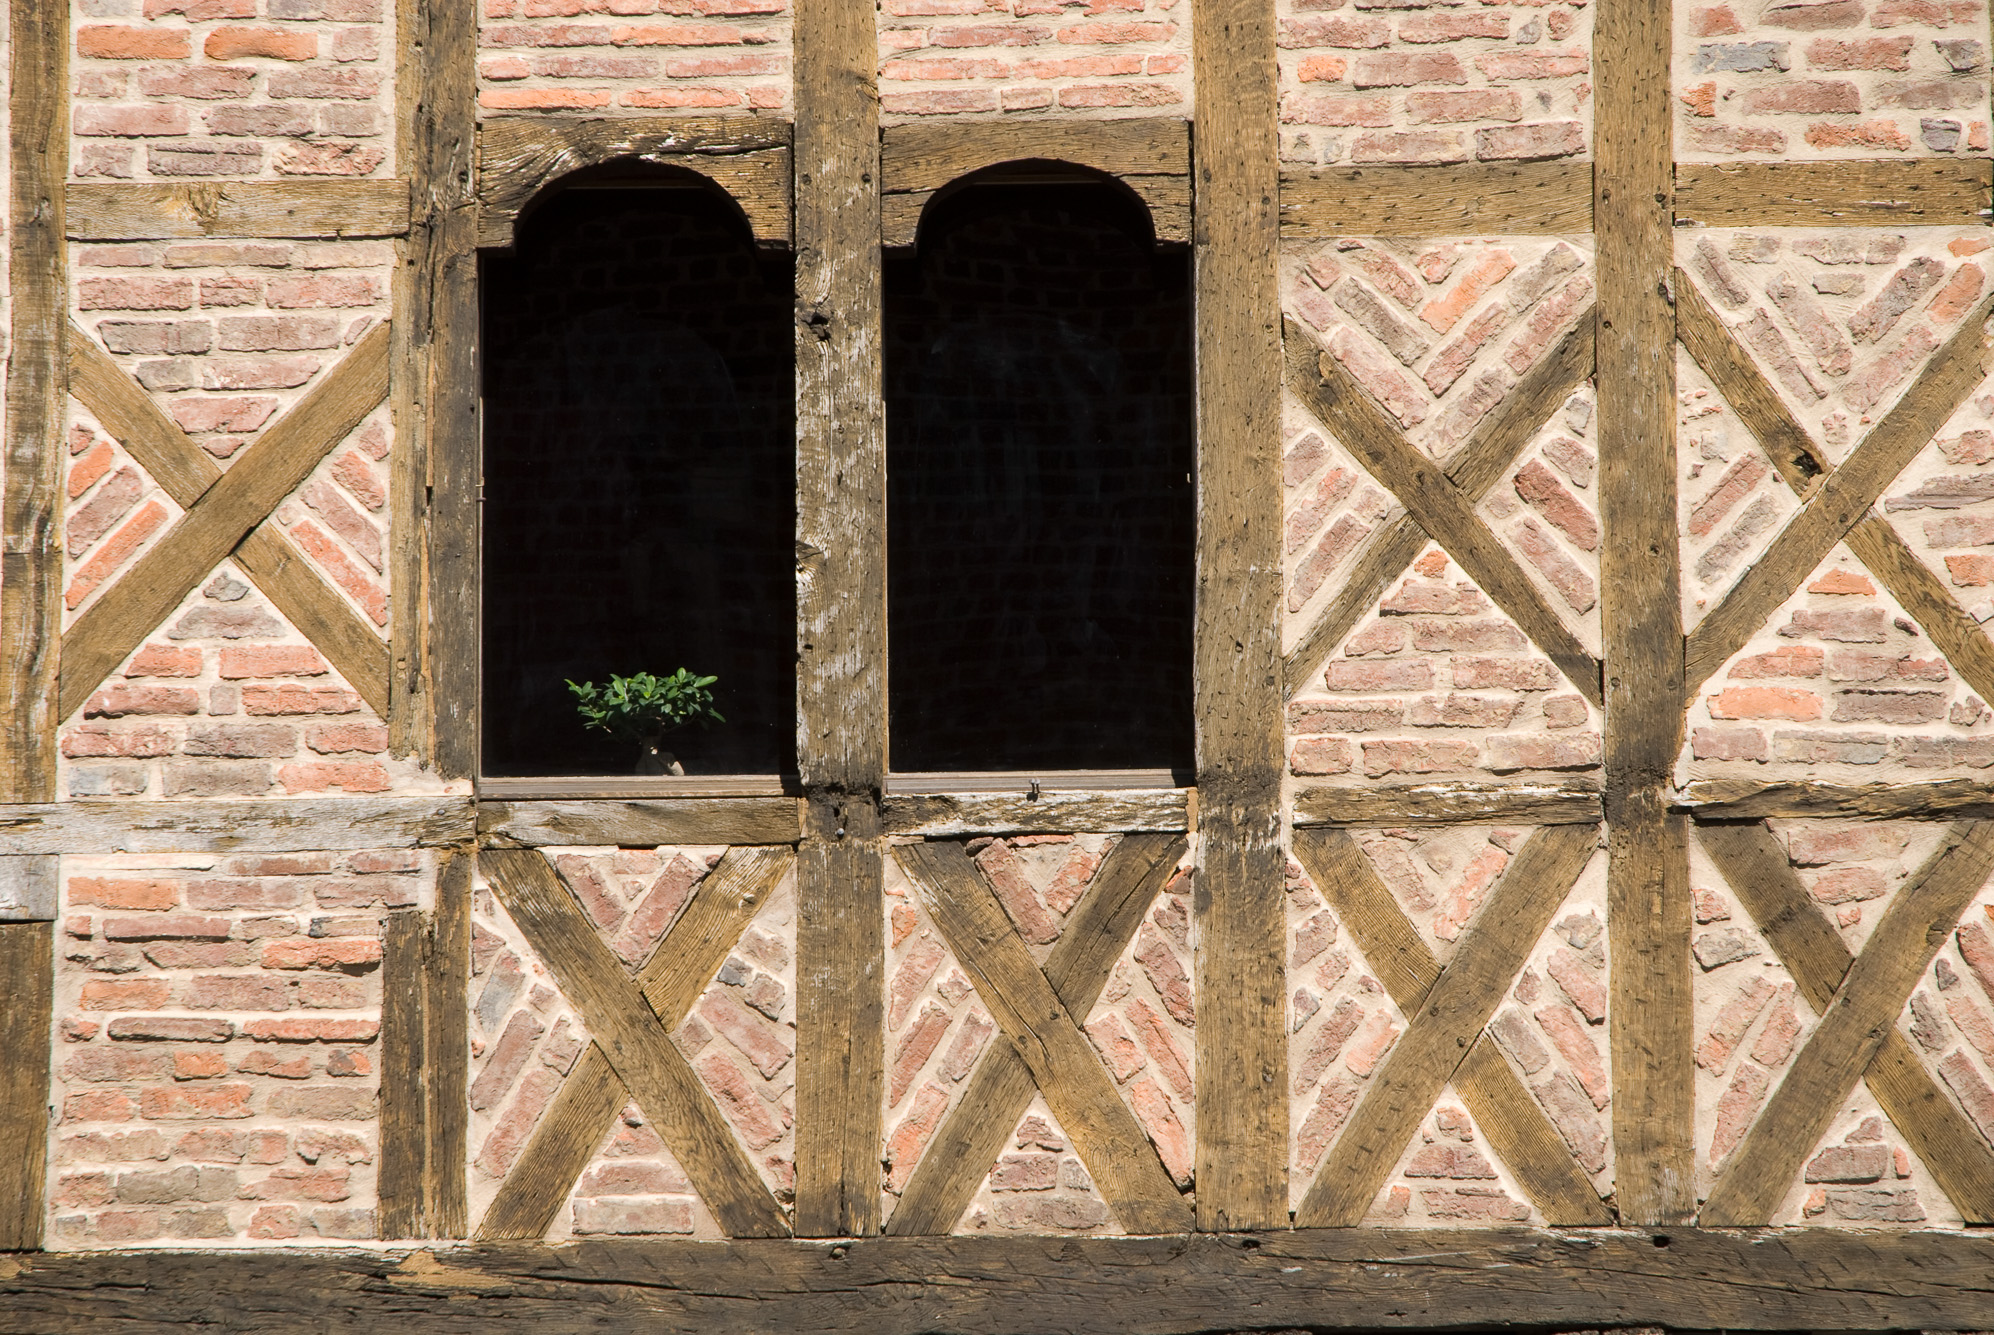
[(1039, 444), (639, 467)]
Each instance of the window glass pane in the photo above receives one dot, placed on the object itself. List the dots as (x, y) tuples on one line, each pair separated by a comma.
[(639, 509), (1039, 428)]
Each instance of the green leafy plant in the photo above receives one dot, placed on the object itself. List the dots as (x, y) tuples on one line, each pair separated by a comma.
[(644, 707)]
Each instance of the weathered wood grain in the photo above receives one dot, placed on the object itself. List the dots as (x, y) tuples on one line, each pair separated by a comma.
[(1862, 193), (687, 820), (1496, 1098), (1435, 502), (268, 471), (447, 1048), (1844, 498), (1478, 465), (31, 458), (185, 471), (575, 1124), (404, 1124), (952, 815), (1877, 544), (1047, 1038), (1953, 1151), (27, 999), (275, 825), (1853, 1025), (1565, 802), (30, 884), (1482, 199), (1452, 1011), (1241, 1067), (520, 156), (309, 210), (963, 1147), (633, 787), (1759, 799), (626, 1032), (1651, 1029), (1348, 1279)]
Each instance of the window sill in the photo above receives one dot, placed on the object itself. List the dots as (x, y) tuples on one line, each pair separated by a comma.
[(636, 786)]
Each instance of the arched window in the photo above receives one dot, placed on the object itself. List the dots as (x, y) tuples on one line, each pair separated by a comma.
[(1039, 417), (639, 504)]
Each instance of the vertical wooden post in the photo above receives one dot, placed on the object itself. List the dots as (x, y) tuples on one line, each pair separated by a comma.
[(30, 510), (404, 1133), (436, 469), (27, 989), (841, 595), (1648, 918), (1242, 1085), (447, 1049)]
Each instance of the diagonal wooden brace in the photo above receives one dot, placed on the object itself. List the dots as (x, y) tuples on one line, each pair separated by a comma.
[(1000, 1088), (627, 1033), (1858, 1036), (1502, 1108), (184, 470), (221, 517), (1436, 503), (1046, 1037), (1449, 1016)]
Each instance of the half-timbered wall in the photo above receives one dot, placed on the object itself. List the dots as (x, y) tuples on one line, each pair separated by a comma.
[(1586, 845)]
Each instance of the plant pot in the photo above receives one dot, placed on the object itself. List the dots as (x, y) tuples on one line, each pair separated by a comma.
[(653, 759)]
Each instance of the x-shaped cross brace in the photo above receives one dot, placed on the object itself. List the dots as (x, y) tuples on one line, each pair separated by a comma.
[(1446, 1010), (1839, 504), (1439, 502), (631, 1050), (1859, 999), (1039, 1013), (225, 513)]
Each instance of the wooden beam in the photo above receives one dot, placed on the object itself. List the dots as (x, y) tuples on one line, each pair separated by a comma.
[(27, 999), (627, 1033), (1843, 499), (840, 626), (30, 885), (1045, 1035), (1504, 1110), (1446, 1017), (519, 156), (1564, 802), (686, 820), (1434, 501), (955, 815), (1929, 192), (974, 1133), (185, 471), (269, 470), (1240, 911), (32, 463), (1759, 799), (447, 1048), (1651, 1017), (1478, 465), (272, 825), (404, 1124), (1479, 199), (625, 787), (306, 210), (1323, 1279), (1864, 1010), (1756, 866)]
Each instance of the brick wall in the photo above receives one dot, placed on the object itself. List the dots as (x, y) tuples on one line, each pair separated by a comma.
[(1434, 80), (216, 1071), (169, 89), (634, 57), (1786, 79)]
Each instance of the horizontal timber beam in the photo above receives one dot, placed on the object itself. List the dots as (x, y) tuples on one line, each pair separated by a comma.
[(1358, 1278), (950, 815), (1756, 799), (1571, 802), (1889, 193), (276, 825), (641, 824), (306, 210), (1472, 199)]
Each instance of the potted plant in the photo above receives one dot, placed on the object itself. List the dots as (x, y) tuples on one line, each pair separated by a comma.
[(645, 708)]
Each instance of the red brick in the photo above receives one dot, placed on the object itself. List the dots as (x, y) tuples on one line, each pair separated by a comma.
[(1156, 1037), (1765, 702), (738, 1101), (1729, 744), (1398, 69), (135, 994), (1532, 65), (166, 927), (196, 1103), (1874, 53), (304, 952), (271, 660), (109, 41), (1321, 755), (233, 43), (1729, 1028), (110, 1065), (1874, 134), (1546, 139), (98, 1105), (911, 1135), (1166, 1132), (292, 699), (169, 1028)]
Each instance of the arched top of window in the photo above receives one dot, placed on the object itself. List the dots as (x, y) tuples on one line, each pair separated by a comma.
[(1009, 186)]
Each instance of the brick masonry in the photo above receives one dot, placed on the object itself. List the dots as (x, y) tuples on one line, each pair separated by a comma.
[(634, 57)]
